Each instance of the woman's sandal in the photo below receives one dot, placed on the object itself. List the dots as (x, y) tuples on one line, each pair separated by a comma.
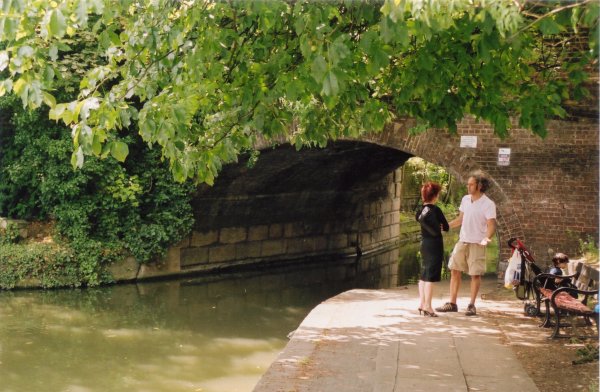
[(429, 314), (420, 310)]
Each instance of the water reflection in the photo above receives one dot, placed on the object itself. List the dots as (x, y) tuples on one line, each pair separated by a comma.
[(409, 266), (217, 333)]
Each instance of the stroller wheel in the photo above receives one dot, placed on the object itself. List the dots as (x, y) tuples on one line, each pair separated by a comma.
[(530, 310)]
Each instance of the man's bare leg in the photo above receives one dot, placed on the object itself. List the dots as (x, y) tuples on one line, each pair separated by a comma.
[(475, 285), (455, 277)]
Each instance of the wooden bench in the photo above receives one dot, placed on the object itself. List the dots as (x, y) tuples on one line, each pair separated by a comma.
[(585, 284)]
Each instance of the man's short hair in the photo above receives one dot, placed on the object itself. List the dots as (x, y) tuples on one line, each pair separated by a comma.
[(482, 180)]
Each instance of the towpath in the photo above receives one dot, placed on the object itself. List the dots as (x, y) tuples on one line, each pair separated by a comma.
[(375, 340)]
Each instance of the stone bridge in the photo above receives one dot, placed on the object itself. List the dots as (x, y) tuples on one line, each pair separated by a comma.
[(344, 200)]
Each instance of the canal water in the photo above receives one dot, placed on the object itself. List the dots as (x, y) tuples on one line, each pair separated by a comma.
[(217, 333)]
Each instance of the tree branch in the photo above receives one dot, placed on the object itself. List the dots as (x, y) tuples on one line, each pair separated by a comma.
[(554, 11)]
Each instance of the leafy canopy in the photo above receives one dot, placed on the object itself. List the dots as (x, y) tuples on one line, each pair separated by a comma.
[(206, 79)]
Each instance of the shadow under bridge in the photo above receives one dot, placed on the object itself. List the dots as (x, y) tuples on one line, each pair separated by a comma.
[(297, 205)]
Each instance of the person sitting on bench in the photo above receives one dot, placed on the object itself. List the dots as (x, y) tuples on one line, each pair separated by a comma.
[(560, 262)]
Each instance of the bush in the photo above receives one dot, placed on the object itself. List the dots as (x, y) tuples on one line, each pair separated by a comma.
[(101, 212), (49, 264), (10, 235)]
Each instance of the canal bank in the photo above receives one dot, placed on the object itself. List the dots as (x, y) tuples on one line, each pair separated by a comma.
[(375, 340)]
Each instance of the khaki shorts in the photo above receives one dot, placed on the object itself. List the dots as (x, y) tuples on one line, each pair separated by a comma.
[(468, 258)]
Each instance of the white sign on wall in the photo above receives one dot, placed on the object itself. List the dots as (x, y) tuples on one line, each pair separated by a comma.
[(468, 141), (503, 156)]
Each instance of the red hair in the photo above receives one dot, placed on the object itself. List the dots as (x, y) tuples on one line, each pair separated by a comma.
[(429, 191)]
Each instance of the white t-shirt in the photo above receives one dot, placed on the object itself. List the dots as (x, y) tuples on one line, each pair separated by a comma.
[(475, 217)]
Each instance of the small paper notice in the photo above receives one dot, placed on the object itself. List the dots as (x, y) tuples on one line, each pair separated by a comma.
[(503, 156), (468, 141)]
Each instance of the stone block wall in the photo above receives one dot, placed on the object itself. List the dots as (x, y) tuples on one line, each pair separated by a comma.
[(281, 211), (368, 226)]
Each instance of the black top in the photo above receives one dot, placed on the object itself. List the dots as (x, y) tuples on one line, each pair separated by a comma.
[(432, 220)]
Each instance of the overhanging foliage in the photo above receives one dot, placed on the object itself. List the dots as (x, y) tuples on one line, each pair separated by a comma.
[(205, 79)]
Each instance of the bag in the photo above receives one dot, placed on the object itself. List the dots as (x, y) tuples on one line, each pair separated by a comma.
[(513, 272)]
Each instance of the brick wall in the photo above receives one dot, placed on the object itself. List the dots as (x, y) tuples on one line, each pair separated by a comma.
[(548, 195)]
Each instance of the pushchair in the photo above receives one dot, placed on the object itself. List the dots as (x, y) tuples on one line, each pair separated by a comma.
[(521, 277)]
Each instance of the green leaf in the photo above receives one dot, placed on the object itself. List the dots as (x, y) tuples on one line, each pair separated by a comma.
[(81, 12), (97, 145), (420, 127), (49, 99), (63, 47), (379, 58), (591, 14), (319, 68), (330, 85), (559, 111), (299, 25), (58, 25), (119, 150), (77, 158), (3, 60), (501, 123), (426, 62), (549, 27), (338, 50), (402, 35), (105, 150), (293, 90), (387, 29), (594, 40), (178, 172), (20, 86), (9, 29), (48, 75), (57, 111)]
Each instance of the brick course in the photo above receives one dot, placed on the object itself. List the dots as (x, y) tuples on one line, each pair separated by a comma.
[(548, 195)]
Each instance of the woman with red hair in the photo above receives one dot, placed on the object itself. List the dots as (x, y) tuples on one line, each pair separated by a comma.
[(432, 222)]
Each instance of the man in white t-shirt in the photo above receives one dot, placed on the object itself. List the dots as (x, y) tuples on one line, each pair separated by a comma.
[(477, 219)]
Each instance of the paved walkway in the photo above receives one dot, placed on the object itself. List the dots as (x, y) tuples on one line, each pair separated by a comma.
[(375, 340)]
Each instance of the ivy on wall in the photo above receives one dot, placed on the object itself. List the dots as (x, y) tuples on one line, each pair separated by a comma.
[(101, 212)]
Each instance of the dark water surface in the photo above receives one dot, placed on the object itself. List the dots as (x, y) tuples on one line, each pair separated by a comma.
[(217, 333)]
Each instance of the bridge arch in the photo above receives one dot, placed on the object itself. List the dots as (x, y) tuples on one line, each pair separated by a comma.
[(324, 204), (345, 199)]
